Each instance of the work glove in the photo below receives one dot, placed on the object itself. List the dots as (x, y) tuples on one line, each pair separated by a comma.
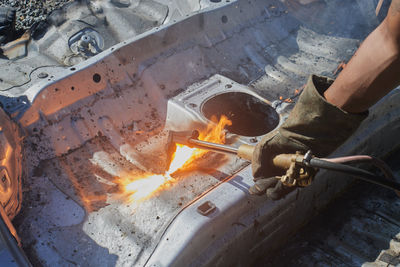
[(314, 124)]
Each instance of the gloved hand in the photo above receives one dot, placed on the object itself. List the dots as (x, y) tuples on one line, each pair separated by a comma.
[(314, 124)]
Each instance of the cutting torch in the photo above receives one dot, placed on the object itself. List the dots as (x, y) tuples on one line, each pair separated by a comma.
[(300, 168)]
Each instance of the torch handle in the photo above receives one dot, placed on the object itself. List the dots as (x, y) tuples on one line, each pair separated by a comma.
[(243, 151), (246, 152)]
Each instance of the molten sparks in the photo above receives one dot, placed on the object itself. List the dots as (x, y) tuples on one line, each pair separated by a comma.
[(141, 188)]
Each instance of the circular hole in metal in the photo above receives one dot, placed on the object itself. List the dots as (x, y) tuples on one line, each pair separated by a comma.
[(215, 1), (249, 115), (96, 78), (224, 19)]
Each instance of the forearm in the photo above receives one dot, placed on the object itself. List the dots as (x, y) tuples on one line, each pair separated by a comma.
[(373, 71)]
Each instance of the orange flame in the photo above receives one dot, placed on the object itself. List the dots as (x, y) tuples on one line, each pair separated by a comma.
[(142, 188)]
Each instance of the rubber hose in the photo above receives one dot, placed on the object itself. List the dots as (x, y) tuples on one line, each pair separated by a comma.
[(378, 163), (358, 173)]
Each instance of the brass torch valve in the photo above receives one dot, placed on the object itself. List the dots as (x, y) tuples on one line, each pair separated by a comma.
[(299, 172)]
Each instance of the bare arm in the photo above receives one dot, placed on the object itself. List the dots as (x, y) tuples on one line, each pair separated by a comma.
[(373, 71)]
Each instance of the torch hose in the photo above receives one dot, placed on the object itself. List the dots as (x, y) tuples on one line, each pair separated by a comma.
[(378, 163), (356, 172)]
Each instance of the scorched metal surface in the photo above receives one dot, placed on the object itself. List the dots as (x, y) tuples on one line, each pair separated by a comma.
[(89, 126)]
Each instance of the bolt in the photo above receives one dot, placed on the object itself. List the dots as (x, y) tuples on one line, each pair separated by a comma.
[(42, 75), (253, 140)]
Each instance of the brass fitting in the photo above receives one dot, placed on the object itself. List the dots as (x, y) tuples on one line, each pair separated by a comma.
[(298, 173)]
